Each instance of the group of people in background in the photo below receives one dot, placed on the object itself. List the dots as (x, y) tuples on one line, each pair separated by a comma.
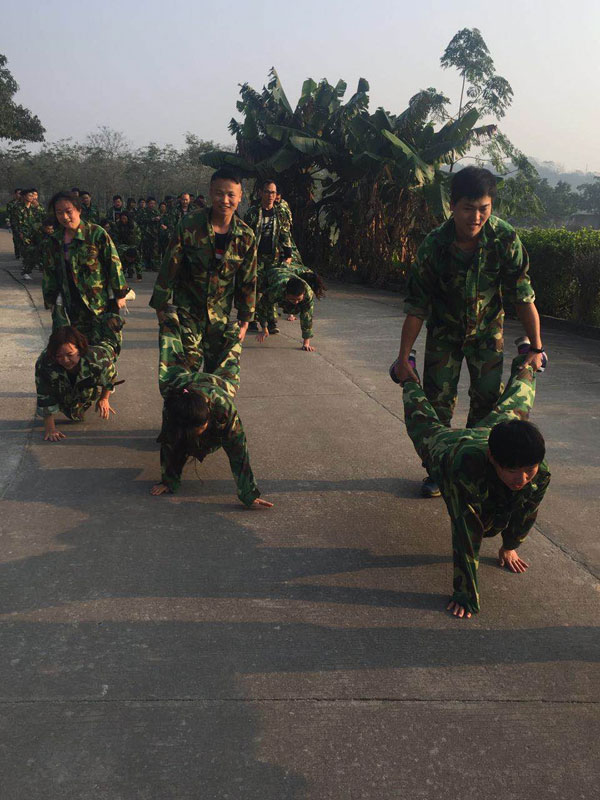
[(140, 228), (492, 474)]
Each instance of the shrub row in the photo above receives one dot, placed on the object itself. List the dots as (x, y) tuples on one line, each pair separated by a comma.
[(565, 272)]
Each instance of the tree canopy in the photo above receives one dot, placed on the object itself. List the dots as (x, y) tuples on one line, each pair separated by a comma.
[(16, 122)]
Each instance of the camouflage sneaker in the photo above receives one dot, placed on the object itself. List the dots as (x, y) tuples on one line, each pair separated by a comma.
[(429, 488)]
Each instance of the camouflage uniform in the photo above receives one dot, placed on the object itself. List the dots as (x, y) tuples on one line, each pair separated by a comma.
[(164, 234), (28, 220), (282, 246), (58, 390), (90, 214), (203, 288), (219, 388), (479, 503), (127, 239), (12, 208), (149, 221), (96, 275), (460, 296), (273, 294)]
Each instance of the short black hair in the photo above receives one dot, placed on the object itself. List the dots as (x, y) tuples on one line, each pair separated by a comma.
[(267, 181), (149, 198), (516, 443), (27, 191), (225, 174), (141, 199), (117, 197), (472, 183), (84, 191), (295, 287), (75, 188), (48, 221)]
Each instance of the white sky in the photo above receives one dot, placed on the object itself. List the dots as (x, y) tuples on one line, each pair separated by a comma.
[(157, 69)]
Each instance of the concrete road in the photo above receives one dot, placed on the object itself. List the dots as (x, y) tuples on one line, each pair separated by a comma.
[(185, 647)]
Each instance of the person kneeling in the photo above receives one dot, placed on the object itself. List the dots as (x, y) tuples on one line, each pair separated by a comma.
[(199, 415), (492, 477), (70, 375)]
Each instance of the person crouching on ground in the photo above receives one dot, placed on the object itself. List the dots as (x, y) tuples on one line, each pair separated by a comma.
[(70, 375), (492, 476), (293, 289), (199, 415)]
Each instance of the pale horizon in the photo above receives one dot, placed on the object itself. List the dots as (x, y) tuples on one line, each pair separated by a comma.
[(157, 73)]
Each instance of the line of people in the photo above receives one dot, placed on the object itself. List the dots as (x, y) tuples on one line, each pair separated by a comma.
[(492, 474)]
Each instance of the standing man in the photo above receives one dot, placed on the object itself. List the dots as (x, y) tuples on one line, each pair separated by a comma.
[(28, 219), (463, 270), (89, 212), (271, 227), (209, 265), (113, 213), (184, 206), (150, 225)]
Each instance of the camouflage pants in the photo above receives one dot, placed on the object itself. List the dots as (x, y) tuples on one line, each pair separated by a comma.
[(432, 440), (102, 329), (430, 435), (174, 365), (263, 265), (75, 407), (151, 253), (16, 243), (441, 372), (29, 254)]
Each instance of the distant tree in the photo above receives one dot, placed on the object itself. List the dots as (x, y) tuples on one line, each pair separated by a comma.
[(16, 122), (487, 92), (590, 195)]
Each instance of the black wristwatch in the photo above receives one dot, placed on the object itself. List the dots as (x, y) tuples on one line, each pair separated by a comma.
[(536, 349)]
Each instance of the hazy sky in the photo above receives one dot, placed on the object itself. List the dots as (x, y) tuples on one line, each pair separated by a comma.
[(159, 68)]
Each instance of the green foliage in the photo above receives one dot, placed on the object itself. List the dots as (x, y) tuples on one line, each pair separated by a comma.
[(558, 270), (590, 195), (105, 163), (16, 122), (487, 92)]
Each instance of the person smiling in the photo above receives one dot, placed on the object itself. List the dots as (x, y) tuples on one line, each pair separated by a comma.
[(209, 265), (462, 271), (70, 375), (83, 282)]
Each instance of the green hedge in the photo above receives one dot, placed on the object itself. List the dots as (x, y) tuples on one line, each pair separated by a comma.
[(553, 255)]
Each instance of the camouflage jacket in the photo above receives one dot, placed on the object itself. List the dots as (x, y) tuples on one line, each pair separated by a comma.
[(282, 240), (126, 236), (96, 268), (149, 222), (12, 207), (56, 392), (192, 277), (27, 219), (112, 214), (478, 502), (90, 214), (273, 293), (461, 296), (225, 430)]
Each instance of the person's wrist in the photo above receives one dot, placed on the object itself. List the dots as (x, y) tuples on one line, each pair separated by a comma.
[(536, 349)]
